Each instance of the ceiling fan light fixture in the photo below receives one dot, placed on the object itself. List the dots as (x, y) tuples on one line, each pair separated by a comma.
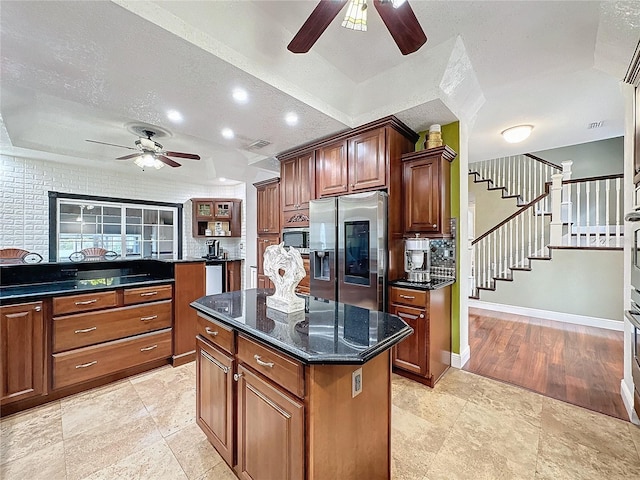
[(356, 17), (517, 134), (148, 160), (397, 3)]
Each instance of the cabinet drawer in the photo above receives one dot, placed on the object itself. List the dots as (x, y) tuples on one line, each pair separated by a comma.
[(80, 330), (147, 294), (283, 370), (216, 333), (86, 363), (407, 296), (84, 302)]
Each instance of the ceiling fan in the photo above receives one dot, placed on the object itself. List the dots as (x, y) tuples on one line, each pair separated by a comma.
[(150, 153), (397, 15)]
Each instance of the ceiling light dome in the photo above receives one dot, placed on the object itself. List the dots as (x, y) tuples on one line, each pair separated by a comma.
[(517, 134)]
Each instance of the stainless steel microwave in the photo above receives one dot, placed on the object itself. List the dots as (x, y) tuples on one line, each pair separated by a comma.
[(297, 238)]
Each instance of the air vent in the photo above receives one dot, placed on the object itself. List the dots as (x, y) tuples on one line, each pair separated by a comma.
[(258, 144), (595, 124)]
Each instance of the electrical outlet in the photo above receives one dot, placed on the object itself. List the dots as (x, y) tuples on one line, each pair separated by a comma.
[(356, 382), (242, 246)]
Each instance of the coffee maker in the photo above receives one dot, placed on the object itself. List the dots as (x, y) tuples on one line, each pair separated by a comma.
[(213, 248), (417, 259)]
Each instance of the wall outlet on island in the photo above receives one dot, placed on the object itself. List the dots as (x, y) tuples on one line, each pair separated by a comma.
[(356, 382)]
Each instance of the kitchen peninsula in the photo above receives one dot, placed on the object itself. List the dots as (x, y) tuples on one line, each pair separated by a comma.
[(300, 396)]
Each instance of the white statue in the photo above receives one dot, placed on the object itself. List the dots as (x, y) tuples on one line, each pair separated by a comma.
[(277, 259)]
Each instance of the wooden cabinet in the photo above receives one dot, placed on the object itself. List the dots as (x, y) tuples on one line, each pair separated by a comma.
[(332, 169), (22, 352), (215, 405), (426, 177), (268, 206), (303, 287), (297, 187), (189, 285), (262, 243), (223, 216), (426, 354), (233, 276)]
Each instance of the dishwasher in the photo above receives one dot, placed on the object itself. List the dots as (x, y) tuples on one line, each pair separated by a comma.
[(213, 279)]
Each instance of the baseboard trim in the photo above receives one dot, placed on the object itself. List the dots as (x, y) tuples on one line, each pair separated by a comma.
[(549, 315), (627, 399), (458, 360)]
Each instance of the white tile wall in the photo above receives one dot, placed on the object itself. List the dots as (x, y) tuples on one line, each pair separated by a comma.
[(24, 206)]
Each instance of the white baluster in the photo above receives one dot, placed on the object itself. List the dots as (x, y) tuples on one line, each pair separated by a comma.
[(569, 215), (587, 201), (618, 226), (578, 219), (597, 226), (530, 230), (607, 189), (510, 264)]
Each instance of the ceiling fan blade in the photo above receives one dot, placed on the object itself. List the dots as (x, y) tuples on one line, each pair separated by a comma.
[(167, 161), (317, 23), (190, 156), (402, 25), (111, 144), (133, 155)]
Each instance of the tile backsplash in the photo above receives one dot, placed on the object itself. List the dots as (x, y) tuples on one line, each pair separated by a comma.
[(443, 254)]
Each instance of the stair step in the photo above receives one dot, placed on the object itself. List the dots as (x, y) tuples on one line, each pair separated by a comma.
[(522, 269), (492, 289), (504, 279), (539, 258)]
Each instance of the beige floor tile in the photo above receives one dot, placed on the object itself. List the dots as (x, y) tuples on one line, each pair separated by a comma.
[(44, 464), (560, 458), (414, 444), (508, 399), (107, 443), (635, 435), (439, 409), (599, 432), (219, 472), (156, 462), (29, 431), (506, 435), (193, 451), (459, 383), (460, 460), (117, 405)]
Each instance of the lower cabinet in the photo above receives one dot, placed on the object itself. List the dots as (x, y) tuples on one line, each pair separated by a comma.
[(21, 352), (426, 354), (233, 276), (303, 287)]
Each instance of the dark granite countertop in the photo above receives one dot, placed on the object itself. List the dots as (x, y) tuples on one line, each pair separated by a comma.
[(47, 289), (325, 333), (434, 284)]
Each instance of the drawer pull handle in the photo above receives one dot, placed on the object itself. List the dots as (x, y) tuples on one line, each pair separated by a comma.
[(38, 308), (410, 297), (150, 317), (237, 376), (85, 365), (406, 315), (213, 333), (262, 362), (148, 294), (222, 367), (146, 349), (87, 302), (85, 330)]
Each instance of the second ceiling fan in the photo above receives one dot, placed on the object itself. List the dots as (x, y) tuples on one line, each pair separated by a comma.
[(397, 15)]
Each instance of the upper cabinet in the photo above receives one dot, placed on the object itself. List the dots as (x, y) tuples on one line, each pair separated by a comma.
[(217, 217), (297, 184), (268, 199), (426, 177), (331, 169)]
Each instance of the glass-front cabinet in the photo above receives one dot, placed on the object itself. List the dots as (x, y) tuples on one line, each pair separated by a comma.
[(216, 217)]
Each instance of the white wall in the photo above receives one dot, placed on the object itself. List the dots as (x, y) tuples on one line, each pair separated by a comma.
[(24, 209)]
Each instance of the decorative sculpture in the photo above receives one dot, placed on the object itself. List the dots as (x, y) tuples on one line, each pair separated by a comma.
[(277, 259)]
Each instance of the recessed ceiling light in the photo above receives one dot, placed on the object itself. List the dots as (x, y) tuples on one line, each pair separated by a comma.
[(517, 134), (222, 179), (227, 133), (291, 119), (240, 95), (174, 116)]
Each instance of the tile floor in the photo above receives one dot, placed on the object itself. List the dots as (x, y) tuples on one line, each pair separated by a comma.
[(468, 427)]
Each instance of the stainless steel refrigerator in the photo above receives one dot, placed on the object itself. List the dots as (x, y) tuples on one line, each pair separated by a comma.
[(348, 249)]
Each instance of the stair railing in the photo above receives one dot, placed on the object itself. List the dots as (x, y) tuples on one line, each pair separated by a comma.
[(587, 212), (512, 244)]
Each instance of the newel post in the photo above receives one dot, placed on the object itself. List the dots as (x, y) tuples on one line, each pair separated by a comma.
[(556, 210), (566, 200)]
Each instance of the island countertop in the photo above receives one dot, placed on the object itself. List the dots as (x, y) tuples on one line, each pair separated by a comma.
[(325, 332)]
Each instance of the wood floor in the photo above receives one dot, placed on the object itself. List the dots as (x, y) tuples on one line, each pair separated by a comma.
[(577, 364)]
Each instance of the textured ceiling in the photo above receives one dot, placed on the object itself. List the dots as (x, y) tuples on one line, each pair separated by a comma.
[(85, 70)]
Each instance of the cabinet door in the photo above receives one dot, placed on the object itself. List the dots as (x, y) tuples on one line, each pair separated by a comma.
[(411, 353), (21, 352), (304, 285), (270, 431), (268, 198), (204, 209), (331, 169), (234, 279), (289, 188), (367, 161), (215, 401), (305, 180), (421, 181), (263, 242)]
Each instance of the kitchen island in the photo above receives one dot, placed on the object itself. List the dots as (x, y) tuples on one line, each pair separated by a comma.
[(300, 396)]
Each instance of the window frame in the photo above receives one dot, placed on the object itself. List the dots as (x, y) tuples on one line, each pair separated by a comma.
[(122, 203)]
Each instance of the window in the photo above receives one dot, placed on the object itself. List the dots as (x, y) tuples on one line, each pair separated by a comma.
[(130, 228)]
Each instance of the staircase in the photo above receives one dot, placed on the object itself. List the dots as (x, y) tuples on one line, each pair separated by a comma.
[(553, 212)]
